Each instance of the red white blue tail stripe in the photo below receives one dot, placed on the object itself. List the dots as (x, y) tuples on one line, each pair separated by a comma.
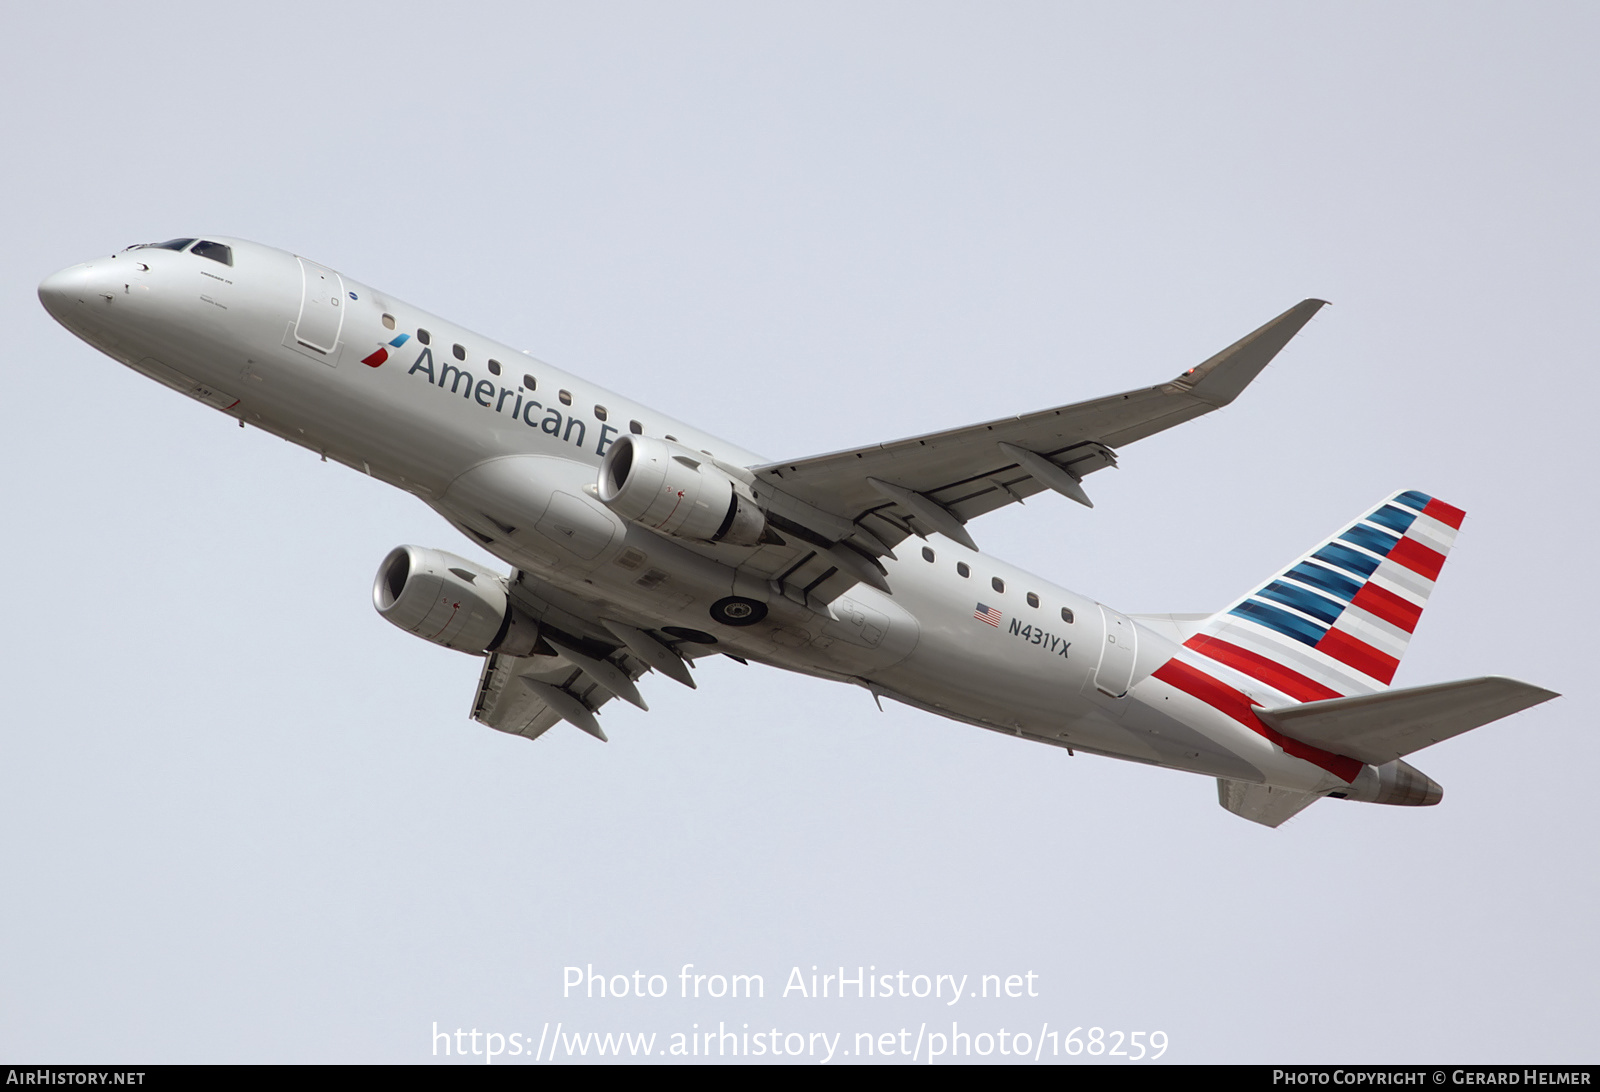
[(1337, 621), (1334, 624)]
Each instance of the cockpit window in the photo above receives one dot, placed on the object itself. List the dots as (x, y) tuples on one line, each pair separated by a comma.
[(170, 244), (217, 252)]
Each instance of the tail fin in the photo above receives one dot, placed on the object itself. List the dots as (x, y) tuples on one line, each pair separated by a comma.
[(1336, 623)]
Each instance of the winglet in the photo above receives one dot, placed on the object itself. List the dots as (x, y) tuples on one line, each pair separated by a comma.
[(1219, 380)]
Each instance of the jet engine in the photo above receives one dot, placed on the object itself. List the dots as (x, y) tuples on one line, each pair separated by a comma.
[(452, 602), (678, 492)]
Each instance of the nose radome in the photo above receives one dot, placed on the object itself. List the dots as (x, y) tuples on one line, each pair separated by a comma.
[(60, 292)]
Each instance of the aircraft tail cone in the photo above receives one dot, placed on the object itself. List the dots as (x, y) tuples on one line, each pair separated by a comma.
[(1397, 782)]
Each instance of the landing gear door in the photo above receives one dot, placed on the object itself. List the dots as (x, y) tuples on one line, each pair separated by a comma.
[(1118, 650), (321, 308)]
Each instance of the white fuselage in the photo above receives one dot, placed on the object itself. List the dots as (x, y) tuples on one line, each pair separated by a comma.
[(512, 458)]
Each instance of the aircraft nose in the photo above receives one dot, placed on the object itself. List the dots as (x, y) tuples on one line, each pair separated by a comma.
[(61, 292)]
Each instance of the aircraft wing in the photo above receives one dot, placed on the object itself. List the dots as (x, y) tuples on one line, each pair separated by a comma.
[(503, 703), (873, 498), (581, 662)]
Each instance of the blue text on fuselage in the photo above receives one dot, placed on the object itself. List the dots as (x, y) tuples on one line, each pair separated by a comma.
[(492, 396)]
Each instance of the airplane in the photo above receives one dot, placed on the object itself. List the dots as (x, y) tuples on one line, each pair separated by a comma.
[(639, 543)]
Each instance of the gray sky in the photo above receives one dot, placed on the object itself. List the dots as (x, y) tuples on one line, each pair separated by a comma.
[(244, 820)]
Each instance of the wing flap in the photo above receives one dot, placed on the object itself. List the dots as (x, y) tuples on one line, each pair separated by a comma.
[(580, 663), (1378, 728), (508, 707)]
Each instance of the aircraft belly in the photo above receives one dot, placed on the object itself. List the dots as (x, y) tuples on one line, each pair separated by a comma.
[(1073, 725), (870, 632), (1061, 712), (1199, 748), (1076, 688), (1165, 711), (536, 513), (537, 505), (992, 677)]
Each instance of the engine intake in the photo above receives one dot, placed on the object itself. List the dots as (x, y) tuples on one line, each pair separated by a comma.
[(678, 492), (452, 602)]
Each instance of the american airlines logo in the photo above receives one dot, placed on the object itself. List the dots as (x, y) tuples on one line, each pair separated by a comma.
[(383, 350)]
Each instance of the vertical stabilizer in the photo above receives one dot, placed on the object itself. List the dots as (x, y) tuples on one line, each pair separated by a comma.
[(1264, 804), (1336, 622)]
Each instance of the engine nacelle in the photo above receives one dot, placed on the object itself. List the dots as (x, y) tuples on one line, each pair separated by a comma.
[(452, 602), (675, 491)]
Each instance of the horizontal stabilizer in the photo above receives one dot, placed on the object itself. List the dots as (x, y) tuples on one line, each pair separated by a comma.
[(1381, 727), (1262, 804)]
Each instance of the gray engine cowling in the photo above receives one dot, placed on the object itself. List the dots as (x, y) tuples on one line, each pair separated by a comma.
[(452, 602), (678, 492)]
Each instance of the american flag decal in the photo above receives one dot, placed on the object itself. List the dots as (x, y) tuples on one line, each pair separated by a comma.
[(988, 614)]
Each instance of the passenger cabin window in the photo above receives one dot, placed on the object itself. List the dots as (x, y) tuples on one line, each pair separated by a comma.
[(927, 554), (527, 381), (566, 398), (217, 252), (1066, 616), (424, 337), (997, 584), (600, 412), (636, 428), (962, 570), (494, 367), (459, 351), (388, 322), (1033, 600)]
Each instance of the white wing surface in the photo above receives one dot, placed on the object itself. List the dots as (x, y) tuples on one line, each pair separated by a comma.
[(581, 662), (840, 512)]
